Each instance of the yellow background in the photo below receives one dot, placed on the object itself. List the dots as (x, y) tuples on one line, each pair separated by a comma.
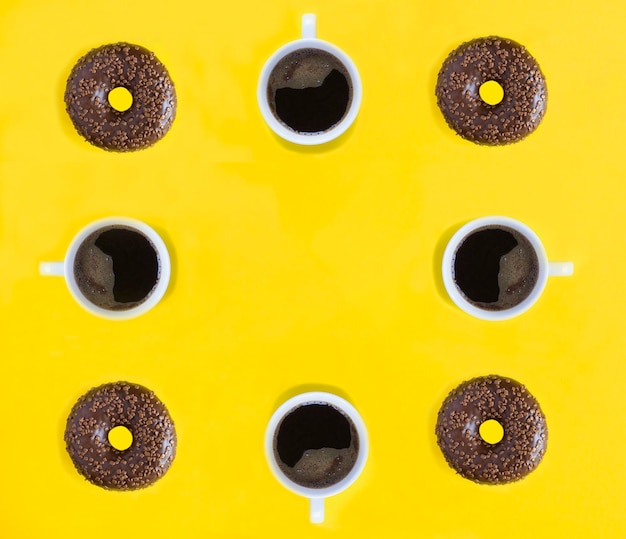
[(314, 268)]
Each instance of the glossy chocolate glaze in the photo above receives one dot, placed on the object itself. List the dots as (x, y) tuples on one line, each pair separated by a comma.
[(492, 397), (139, 71), (510, 65), (120, 404)]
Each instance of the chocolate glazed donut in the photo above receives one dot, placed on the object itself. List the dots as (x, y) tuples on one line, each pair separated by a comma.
[(137, 70), (120, 404), (510, 65), (492, 397)]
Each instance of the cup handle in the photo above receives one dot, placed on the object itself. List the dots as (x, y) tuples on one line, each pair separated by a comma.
[(560, 269), (309, 30), (317, 510), (56, 269)]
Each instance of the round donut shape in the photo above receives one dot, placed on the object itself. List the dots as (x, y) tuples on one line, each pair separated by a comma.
[(120, 404), (492, 59), (137, 70), (478, 400)]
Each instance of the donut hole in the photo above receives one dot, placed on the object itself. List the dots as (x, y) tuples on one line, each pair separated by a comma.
[(491, 431), (120, 98), (491, 92), (120, 438)]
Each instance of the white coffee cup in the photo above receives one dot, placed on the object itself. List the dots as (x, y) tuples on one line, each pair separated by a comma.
[(309, 41), (66, 268), (317, 495), (545, 268)]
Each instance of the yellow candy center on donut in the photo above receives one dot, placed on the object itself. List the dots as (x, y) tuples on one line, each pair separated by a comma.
[(120, 99), (491, 92), (491, 431), (120, 438)]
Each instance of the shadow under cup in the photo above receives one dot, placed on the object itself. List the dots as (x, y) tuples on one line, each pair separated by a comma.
[(316, 445), (309, 91), (117, 267)]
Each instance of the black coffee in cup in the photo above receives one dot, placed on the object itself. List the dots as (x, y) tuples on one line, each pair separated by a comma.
[(316, 445), (495, 268), (309, 91), (116, 267)]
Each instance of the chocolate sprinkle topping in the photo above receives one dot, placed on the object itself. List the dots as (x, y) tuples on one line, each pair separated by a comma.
[(492, 397), (140, 72), (510, 65), (139, 410)]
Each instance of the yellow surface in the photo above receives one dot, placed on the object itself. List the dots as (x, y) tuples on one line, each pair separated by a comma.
[(314, 268)]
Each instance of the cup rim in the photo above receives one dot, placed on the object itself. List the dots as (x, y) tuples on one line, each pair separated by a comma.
[(448, 264), (317, 397), (162, 256), (314, 138)]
